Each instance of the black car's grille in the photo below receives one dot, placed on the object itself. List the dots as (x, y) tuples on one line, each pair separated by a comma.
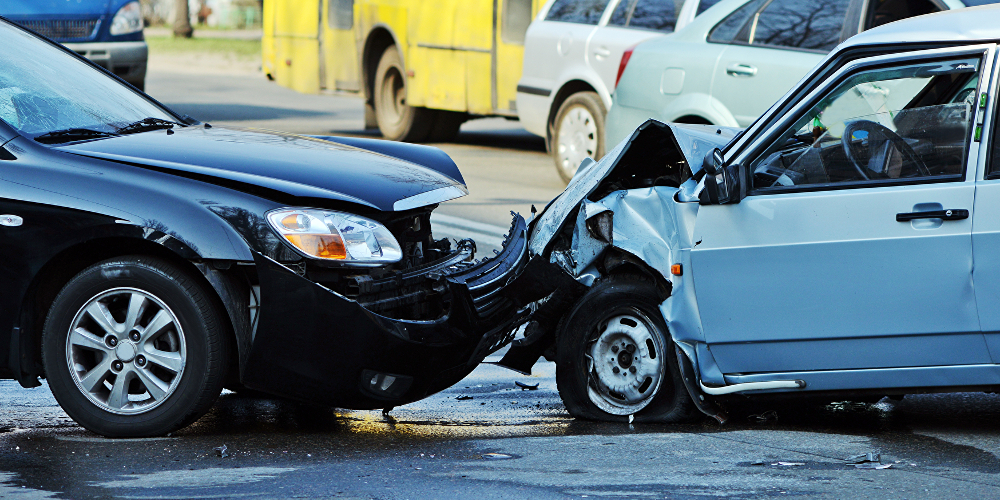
[(62, 29)]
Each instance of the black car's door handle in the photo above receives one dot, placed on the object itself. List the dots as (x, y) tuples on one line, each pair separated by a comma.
[(950, 214)]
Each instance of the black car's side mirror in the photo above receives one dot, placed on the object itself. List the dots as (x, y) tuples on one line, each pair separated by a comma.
[(722, 182)]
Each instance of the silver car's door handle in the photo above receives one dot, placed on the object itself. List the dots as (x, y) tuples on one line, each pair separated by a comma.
[(949, 214), (741, 70), (602, 52)]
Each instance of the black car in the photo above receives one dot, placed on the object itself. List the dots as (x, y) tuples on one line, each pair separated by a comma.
[(149, 260)]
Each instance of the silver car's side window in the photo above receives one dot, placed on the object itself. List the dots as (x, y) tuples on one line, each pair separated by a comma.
[(798, 24), (896, 124)]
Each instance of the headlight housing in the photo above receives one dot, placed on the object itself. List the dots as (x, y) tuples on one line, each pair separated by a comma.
[(127, 20), (335, 236)]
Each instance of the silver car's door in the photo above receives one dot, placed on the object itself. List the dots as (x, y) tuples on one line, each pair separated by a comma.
[(986, 229), (777, 44), (853, 250), (631, 22)]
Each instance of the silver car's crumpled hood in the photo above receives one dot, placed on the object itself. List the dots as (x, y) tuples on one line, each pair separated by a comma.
[(693, 141)]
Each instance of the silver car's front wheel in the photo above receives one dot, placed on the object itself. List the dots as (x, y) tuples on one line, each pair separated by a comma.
[(578, 132), (627, 364), (135, 346), (615, 357), (126, 351)]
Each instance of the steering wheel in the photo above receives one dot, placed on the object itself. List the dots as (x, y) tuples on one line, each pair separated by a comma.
[(881, 138)]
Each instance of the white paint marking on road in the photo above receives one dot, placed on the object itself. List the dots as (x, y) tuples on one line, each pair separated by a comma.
[(210, 477)]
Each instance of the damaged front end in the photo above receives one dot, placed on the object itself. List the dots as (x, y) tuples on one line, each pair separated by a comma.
[(632, 212), (380, 338)]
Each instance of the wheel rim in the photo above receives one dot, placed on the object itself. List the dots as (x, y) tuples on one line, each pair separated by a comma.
[(626, 363), (125, 351), (392, 96), (577, 139)]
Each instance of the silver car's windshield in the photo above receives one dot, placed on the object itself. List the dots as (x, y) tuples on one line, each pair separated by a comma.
[(45, 90)]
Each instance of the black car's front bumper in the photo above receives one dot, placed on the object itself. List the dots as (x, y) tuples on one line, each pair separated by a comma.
[(317, 345)]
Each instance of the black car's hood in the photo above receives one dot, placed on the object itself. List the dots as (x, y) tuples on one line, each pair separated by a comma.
[(291, 164)]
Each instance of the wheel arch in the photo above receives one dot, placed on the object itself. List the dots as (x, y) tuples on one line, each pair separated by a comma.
[(569, 88), (25, 349), (379, 38)]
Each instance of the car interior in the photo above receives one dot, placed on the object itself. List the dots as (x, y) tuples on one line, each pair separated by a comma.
[(890, 124)]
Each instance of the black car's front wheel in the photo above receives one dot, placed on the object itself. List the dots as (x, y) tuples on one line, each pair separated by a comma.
[(134, 347), (615, 358)]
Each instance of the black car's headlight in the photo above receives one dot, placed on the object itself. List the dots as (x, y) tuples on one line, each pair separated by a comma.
[(335, 236), (127, 20)]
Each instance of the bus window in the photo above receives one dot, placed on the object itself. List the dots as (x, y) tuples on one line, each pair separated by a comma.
[(340, 15), (516, 18)]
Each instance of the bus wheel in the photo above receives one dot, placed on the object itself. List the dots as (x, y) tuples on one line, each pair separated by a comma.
[(397, 120)]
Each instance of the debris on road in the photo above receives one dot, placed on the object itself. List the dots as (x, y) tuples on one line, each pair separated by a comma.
[(497, 456), (870, 460), (871, 456), (789, 464), (221, 451), (526, 387), (871, 465), (767, 416), (464, 398)]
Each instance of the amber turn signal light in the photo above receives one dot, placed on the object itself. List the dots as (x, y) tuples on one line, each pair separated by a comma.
[(324, 246), (676, 270)]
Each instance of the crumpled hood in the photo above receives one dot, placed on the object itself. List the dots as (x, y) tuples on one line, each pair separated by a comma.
[(693, 141), (294, 165), (33, 9)]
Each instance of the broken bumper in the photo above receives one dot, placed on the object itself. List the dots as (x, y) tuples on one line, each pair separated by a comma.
[(316, 345)]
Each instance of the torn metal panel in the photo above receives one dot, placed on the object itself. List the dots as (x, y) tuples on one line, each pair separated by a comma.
[(655, 154)]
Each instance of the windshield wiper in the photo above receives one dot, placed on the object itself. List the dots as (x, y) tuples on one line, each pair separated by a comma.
[(146, 124), (70, 135)]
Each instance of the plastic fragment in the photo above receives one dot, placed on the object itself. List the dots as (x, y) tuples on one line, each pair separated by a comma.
[(871, 456), (872, 465), (221, 451), (767, 416), (525, 387), (631, 418), (789, 464), (497, 456), (464, 398)]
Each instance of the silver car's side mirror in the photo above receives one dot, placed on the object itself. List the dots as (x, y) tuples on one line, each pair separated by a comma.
[(722, 182)]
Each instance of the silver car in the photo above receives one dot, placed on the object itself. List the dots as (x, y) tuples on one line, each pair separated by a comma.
[(845, 243)]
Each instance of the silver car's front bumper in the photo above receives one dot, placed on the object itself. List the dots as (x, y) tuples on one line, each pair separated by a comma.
[(125, 59)]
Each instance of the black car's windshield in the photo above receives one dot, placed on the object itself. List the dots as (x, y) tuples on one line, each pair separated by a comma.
[(45, 90)]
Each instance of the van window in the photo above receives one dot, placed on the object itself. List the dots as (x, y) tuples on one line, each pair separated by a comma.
[(577, 11), (658, 15)]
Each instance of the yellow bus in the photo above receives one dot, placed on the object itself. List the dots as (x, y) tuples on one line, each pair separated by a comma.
[(422, 66)]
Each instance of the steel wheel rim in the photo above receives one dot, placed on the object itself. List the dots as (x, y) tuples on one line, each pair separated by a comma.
[(393, 95), (138, 370), (637, 380), (576, 140)]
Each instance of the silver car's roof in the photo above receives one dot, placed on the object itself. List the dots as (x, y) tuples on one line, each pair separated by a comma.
[(972, 24)]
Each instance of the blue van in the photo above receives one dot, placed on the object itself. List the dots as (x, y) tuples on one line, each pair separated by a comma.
[(108, 32)]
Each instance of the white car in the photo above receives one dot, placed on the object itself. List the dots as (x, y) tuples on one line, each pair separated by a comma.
[(572, 55), (729, 64)]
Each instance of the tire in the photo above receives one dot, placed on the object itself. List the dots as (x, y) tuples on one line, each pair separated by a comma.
[(578, 132), (446, 125), (617, 319), (173, 373), (397, 120)]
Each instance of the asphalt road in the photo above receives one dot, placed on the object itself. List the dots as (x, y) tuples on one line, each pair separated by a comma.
[(487, 438)]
